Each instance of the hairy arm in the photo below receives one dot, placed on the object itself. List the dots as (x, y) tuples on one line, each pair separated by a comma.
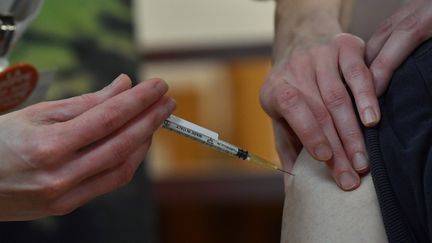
[(308, 21)]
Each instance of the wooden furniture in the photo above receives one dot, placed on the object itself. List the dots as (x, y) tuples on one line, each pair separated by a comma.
[(231, 208)]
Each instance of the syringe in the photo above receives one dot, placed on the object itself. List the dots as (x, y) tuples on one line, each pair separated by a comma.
[(211, 139)]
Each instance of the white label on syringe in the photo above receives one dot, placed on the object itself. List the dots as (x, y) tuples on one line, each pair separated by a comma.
[(192, 126), (200, 137)]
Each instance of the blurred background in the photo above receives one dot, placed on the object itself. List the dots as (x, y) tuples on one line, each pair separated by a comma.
[(214, 55)]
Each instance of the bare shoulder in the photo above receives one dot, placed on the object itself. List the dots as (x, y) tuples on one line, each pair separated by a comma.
[(316, 210)]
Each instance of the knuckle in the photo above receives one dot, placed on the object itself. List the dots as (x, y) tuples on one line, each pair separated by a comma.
[(122, 149), (343, 39), (289, 98), (380, 62), (354, 140), (268, 91), (321, 114), (53, 189), (365, 93), (265, 91), (357, 70), (335, 98), (413, 25), (353, 135), (384, 26), (110, 120), (380, 68), (41, 153), (408, 23)]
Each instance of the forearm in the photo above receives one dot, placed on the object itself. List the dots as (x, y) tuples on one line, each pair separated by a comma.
[(308, 21)]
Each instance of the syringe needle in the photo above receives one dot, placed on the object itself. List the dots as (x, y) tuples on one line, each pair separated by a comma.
[(261, 161), (284, 171)]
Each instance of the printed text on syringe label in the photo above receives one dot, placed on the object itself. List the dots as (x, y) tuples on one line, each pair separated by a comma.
[(224, 147)]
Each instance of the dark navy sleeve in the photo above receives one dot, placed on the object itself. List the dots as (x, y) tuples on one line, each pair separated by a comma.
[(400, 150)]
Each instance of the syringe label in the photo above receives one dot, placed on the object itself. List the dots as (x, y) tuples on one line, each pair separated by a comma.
[(194, 127), (217, 144)]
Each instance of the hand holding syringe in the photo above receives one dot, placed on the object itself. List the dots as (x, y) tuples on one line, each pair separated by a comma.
[(211, 139)]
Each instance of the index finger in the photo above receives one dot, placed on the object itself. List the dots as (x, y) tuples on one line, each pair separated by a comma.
[(105, 118), (294, 109)]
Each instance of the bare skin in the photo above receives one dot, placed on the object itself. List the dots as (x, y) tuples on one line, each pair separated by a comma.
[(314, 61), (58, 155), (305, 93)]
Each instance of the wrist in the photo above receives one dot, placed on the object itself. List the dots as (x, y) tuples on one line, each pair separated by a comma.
[(304, 32), (301, 24)]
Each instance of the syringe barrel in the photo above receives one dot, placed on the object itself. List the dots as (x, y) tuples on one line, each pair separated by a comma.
[(202, 138)]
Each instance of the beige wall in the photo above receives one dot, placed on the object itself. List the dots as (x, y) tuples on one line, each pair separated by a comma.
[(171, 24)]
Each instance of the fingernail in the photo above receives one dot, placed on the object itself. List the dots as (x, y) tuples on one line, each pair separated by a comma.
[(323, 152), (115, 81), (369, 117), (360, 161), (171, 105), (348, 180), (160, 85)]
